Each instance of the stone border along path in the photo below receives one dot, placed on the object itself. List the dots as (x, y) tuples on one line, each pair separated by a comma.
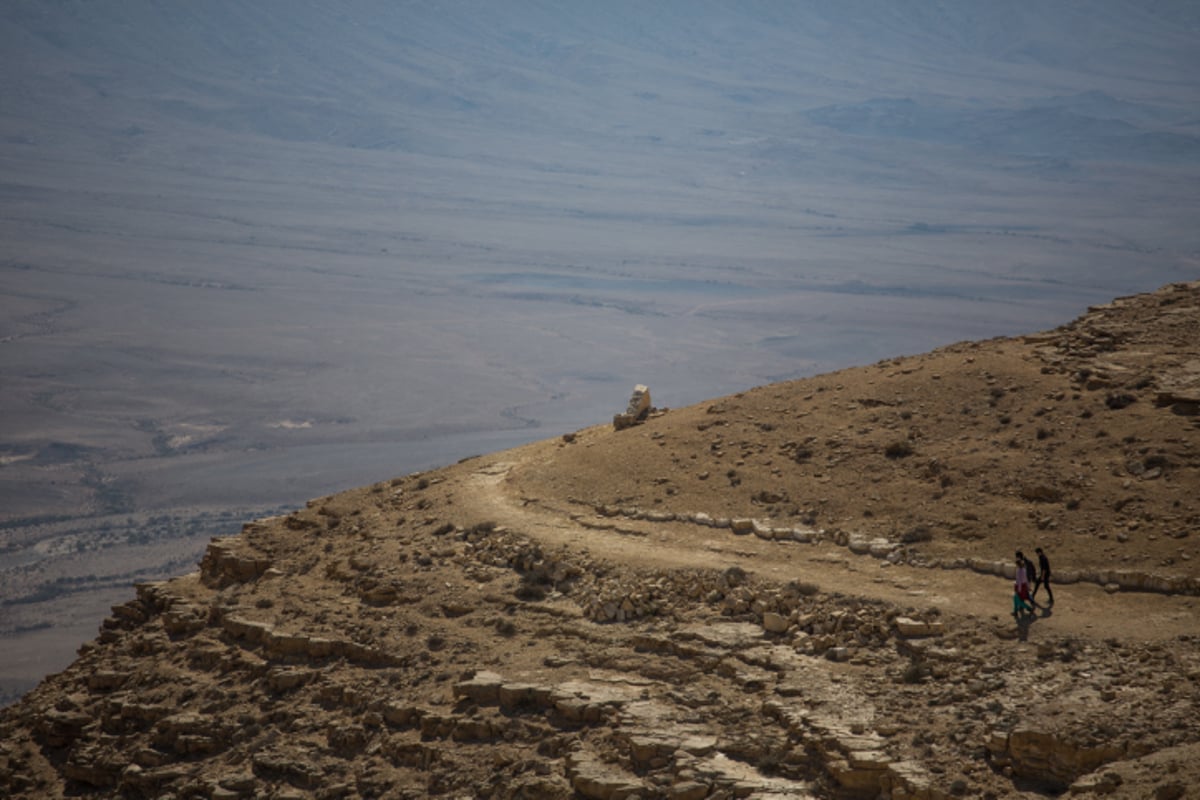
[(896, 553), (1090, 609)]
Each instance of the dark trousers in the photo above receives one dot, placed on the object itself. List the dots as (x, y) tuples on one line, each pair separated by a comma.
[(1043, 580)]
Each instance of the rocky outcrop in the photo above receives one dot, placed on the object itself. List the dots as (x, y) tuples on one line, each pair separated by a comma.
[(1051, 758), (714, 684), (229, 560), (636, 411)]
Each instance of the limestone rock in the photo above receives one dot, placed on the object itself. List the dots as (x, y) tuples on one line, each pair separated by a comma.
[(596, 780), (775, 623), (1056, 760), (913, 627), (636, 411)]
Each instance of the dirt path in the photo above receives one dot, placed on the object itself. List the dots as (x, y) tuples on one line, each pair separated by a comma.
[(1082, 610)]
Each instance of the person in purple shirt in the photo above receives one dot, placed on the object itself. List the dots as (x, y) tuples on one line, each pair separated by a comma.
[(1024, 568)]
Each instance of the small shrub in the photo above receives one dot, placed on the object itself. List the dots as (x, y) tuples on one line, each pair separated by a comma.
[(734, 576), (481, 529), (1119, 401), (770, 763), (901, 448), (531, 590), (916, 671)]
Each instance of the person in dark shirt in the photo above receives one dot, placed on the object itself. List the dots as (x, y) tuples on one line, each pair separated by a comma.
[(1043, 575)]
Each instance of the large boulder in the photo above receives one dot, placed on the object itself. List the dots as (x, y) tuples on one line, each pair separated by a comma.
[(637, 410)]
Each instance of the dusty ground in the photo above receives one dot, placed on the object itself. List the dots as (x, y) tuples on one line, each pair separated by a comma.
[(798, 591), (227, 304)]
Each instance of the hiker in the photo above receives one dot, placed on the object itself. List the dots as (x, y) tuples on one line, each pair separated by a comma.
[(1031, 576), (1022, 576), (1043, 575), (1019, 604)]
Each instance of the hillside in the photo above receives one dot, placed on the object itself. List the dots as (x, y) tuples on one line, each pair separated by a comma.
[(797, 591), (254, 253)]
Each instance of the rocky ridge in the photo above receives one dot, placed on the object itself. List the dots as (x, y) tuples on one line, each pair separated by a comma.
[(799, 591)]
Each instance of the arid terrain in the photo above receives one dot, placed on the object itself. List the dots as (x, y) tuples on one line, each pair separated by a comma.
[(798, 591), (253, 253)]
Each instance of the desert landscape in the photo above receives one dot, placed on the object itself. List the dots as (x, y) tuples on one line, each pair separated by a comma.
[(801, 590), (253, 255), (912, 287)]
